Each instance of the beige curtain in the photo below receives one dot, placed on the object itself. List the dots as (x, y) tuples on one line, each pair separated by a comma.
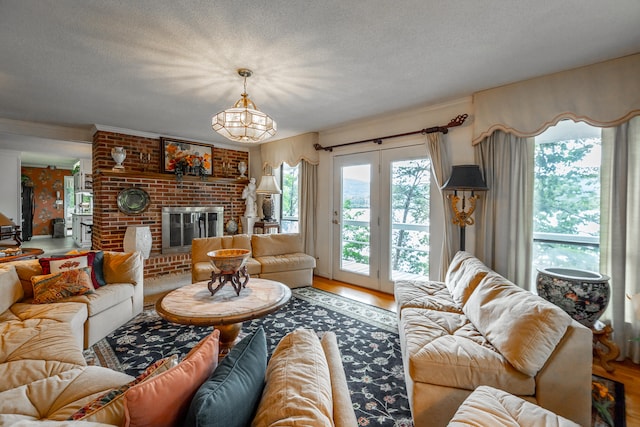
[(308, 185), (504, 214), (290, 150), (441, 169), (620, 231)]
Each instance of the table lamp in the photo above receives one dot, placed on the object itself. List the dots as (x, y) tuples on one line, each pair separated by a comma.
[(464, 178), (268, 186)]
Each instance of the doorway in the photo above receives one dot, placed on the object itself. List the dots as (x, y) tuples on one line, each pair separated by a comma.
[(381, 217)]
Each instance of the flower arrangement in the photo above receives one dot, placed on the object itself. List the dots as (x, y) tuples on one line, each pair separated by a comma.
[(186, 161)]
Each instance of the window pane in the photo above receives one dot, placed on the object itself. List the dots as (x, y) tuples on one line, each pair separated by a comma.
[(289, 209), (566, 219)]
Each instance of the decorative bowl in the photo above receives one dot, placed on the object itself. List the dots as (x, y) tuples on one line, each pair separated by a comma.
[(228, 260), (584, 295)]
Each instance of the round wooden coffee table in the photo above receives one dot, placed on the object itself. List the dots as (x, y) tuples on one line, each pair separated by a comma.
[(194, 305)]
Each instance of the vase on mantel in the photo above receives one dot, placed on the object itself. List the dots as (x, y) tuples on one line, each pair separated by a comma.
[(583, 294), (118, 154)]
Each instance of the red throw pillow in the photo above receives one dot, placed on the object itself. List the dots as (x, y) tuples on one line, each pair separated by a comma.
[(60, 263)]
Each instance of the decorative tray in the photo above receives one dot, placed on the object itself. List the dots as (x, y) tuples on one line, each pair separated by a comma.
[(133, 201)]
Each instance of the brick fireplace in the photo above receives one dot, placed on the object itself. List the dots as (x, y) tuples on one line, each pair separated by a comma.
[(110, 224)]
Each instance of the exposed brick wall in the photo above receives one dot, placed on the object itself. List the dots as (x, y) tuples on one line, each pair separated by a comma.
[(110, 224)]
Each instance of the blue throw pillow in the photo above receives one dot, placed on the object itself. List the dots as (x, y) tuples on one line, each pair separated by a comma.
[(230, 396), (98, 268)]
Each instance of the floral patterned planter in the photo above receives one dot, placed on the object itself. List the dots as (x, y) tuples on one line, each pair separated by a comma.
[(584, 295)]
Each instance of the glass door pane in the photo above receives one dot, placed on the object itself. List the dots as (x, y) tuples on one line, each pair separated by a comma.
[(409, 251), (355, 219), (355, 223)]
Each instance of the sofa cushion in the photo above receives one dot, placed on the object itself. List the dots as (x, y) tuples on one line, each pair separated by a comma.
[(200, 246), (444, 348), (291, 261), (464, 275), (122, 267), (58, 396), (276, 244), (424, 294), (298, 384), (108, 407), (488, 406), (523, 327), (10, 287), (174, 388), (230, 396), (54, 287), (238, 241), (38, 339), (26, 269)]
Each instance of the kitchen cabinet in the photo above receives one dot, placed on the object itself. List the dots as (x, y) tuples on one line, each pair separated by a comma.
[(82, 177), (81, 226)]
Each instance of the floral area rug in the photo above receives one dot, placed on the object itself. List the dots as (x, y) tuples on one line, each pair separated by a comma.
[(367, 336), (608, 409)]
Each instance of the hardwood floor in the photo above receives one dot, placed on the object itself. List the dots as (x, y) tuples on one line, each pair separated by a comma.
[(625, 372)]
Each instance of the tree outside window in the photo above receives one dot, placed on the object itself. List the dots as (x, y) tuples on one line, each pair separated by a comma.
[(566, 219)]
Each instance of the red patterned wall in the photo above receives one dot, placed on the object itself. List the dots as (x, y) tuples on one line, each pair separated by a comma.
[(46, 182)]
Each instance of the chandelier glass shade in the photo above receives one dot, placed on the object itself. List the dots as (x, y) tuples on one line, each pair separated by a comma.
[(244, 122)]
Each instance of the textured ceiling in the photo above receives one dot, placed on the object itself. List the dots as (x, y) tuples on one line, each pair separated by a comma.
[(166, 66)]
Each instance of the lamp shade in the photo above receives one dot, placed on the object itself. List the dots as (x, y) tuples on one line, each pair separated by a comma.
[(4, 220), (465, 177), (268, 185)]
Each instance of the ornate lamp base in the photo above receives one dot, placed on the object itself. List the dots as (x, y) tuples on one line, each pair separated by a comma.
[(238, 280)]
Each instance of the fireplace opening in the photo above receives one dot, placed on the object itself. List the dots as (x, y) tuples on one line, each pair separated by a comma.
[(180, 225)]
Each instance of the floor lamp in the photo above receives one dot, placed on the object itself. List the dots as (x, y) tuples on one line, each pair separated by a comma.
[(464, 178)]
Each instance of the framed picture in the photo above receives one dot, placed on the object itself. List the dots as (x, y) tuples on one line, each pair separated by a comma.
[(186, 158)]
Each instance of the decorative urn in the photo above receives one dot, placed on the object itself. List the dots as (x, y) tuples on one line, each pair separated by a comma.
[(584, 295), (118, 154), (229, 266)]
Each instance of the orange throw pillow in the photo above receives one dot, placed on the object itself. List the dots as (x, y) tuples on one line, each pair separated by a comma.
[(54, 287), (163, 401)]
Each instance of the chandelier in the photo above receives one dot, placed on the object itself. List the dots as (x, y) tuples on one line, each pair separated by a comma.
[(244, 122)]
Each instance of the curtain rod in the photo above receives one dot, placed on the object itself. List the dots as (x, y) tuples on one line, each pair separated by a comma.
[(457, 121)]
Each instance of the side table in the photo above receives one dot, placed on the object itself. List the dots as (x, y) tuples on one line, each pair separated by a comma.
[(265, 226), (602, 338)]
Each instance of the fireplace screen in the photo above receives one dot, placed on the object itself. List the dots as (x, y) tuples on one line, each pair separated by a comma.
[(180, 225)]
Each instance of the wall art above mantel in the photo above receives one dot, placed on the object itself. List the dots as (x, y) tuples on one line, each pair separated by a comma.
[(186, 158)]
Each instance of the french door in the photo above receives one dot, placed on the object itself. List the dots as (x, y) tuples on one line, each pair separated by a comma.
[(381, 217)]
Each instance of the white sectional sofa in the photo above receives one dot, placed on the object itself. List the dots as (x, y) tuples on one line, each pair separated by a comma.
[(477, 328)]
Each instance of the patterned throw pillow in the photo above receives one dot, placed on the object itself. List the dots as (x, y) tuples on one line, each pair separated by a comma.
[(54, 287), (108, 408), (60, 263), (98, 265)]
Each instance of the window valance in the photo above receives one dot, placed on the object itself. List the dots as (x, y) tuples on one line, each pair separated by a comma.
[(290, 150), (603, 94)]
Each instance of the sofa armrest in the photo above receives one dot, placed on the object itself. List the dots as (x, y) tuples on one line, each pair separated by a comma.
[(343, 414), (563, 385)]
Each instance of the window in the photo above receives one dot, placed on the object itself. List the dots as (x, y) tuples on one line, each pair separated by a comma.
[(289, 199), (566, 220)]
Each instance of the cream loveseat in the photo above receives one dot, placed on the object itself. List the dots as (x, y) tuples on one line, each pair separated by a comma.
[(477, 328), (278, 257)]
